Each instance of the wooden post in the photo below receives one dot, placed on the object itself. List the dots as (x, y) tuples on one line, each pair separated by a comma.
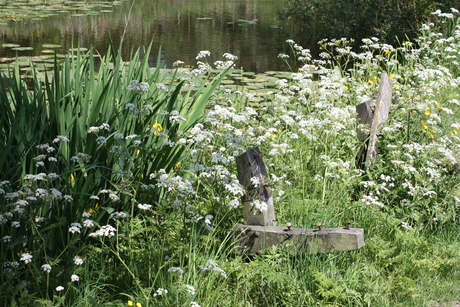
[(374, 116), (258, 208)]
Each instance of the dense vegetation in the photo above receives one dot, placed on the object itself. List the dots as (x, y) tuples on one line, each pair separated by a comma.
[(392, 21), (121, 188)]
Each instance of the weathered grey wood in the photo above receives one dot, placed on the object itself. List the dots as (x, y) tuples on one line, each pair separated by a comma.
[(250, 165), (253, 239), (382, 109), (365, 117), (260, 230), (370, 118)]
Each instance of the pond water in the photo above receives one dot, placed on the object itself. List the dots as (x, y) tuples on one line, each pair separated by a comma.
[(248, 29)]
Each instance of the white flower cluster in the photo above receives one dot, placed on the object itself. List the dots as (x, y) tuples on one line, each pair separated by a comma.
[(26, 258), (46, 268), (190, 289), (105, 231), (211, 265), (75, 228), (175, 269), (138, 87), (77, 260), (160, 292), (97, 129)]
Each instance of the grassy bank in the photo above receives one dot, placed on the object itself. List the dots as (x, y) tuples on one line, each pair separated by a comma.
[(119, 188)]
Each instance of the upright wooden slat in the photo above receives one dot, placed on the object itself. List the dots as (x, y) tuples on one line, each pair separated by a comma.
[(251, 168), (382, 109)]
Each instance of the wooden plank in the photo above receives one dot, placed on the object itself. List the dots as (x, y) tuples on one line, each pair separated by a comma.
[(251, 169), (254, 239)]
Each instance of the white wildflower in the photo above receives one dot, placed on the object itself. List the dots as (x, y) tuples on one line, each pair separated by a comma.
[(138, 87), (105, 231), (144, 206), (75, 227), (175, 269), (203, 54), (88, 223), (211, 265), (160, 291), (190, 289), (46, 268), (77, 260), (26, 257)]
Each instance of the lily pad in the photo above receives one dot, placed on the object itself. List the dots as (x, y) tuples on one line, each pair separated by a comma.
[(10, 45), (51, 46), (81, 49), (22, 48)]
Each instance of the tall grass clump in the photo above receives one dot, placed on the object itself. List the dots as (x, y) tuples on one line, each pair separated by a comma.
[(122, 188), (79, 150)]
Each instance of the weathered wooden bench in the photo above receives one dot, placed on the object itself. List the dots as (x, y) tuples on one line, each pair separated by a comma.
[(259, 230)]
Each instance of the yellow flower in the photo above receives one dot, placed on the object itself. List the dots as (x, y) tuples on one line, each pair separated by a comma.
[(428, 112), (425, 126), (130, 303), (91, 210), (177, 165), (387, 51), (138, 152), (156, 127), (138, 304), (273, 137)]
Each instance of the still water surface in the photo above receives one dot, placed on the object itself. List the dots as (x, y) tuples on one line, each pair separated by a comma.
[(248, 29)]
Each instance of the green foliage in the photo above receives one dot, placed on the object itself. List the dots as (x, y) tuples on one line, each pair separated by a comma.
[(390, 21), (77, 150)]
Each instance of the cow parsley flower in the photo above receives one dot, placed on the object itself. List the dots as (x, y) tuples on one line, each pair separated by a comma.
[(211, 265), (74, 278), (77, 260), (105, 231), (175, 269), (144, 206), (75, 227), (190, 289), (138, 87), (160, 291), (203, 54), (59, 288), (61, 138), (26, 257), (88, 223), (46, 268)]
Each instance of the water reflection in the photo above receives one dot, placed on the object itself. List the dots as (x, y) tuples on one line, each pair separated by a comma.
[(246, 28)]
